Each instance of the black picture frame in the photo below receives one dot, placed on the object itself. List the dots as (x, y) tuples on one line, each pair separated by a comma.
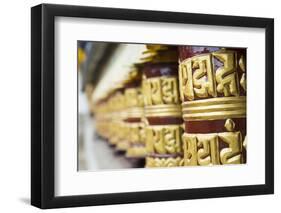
[(43, 105)]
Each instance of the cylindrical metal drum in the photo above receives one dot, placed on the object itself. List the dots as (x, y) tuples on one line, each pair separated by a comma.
[(212, 82), (135, 113), (116, 104), (162, 108)]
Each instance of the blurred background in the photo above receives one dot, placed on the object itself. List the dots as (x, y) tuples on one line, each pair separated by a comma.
[(101, 65)]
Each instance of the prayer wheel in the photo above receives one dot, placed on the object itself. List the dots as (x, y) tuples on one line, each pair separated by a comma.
[(119, 114), (135, 112), (162, 109), (212, 84), (101, 112)]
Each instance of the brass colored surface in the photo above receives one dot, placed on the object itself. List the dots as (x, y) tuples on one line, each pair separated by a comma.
[(213, 90), (160, 90), (215, 108), (199, 78), (165, 110), (204, 149), (164, 139)]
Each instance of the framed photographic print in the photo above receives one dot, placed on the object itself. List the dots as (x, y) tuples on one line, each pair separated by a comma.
[(140, 106)]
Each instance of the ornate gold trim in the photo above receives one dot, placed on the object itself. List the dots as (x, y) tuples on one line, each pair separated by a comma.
[(135, 112), (163, 110), (214, 108)]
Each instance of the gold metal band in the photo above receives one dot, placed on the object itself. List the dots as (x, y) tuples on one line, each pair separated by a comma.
[(214, 108), (166, 110), (135, 112)]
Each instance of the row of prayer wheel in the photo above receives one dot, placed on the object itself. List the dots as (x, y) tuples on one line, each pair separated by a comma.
[(182, 106)]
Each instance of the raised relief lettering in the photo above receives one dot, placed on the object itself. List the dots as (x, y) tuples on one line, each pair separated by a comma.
[(160, 90), (208, 149), (226, 75), (210, 75), (242, 65), (155, 89), (164, 139), (190, 149), (203, 80), (203, 149), (170, 91), (172, 139), (185, 80), (232, 154)]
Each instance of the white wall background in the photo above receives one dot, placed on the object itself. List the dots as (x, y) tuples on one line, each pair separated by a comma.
[(15, 105)]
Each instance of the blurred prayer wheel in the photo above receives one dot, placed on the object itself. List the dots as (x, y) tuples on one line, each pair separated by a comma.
[(162, 108), (119, 115), (212, 82), (102, 121), (134, 120)]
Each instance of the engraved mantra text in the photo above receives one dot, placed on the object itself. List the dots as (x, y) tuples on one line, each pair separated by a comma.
[(201, 77), (203, 149), (160, 90)]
